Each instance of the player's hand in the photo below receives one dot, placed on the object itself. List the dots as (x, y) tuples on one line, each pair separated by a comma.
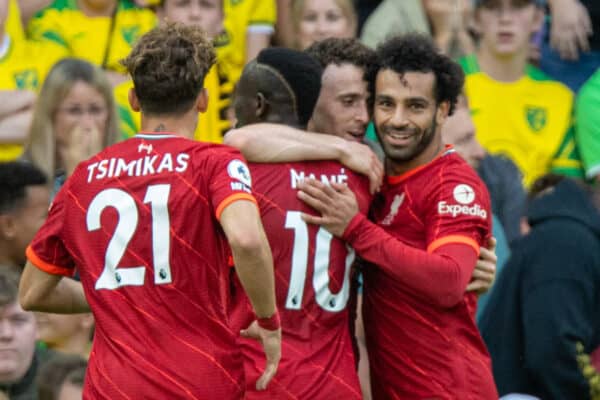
[(271, 342), (485, 269), (360, 158), (336, 203), (570, 29)]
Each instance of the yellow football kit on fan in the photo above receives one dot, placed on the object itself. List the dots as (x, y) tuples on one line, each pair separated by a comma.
[(242, 16), (529, 121), (24, 65), (88, 37), (13, 26)]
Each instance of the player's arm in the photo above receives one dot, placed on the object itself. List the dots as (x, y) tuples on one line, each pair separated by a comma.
[(440, 276), (41, 291), (272, 143), (254, 265)]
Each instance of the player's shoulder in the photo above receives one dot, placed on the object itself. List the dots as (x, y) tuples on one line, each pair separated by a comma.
[(454, 168)]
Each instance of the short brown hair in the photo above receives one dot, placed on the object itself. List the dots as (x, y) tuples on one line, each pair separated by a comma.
[(168, 66)]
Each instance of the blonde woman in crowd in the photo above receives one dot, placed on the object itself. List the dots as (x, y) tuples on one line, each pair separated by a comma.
[(314, 20), (73, 118)]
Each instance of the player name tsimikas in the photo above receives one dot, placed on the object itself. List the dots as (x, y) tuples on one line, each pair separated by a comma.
[(147, 165)]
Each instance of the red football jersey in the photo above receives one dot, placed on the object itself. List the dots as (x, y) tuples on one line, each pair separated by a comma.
[(139, 222), (416, 349), (312, 285)]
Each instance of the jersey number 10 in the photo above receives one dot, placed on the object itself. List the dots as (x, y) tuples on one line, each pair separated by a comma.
[(325, 299), (113, 277)]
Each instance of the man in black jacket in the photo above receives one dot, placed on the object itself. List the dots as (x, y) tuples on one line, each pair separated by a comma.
[(543, 318)]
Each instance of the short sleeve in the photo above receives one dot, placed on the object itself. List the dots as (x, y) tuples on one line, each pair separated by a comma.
[(262, 16), (459, 210), (47, 251), (230, 180)]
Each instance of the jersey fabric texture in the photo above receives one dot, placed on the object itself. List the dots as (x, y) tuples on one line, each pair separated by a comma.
[(588, 125), (24, 65), (139, 223), (417, 348), (529, 121), (212, 124), (88, 37), (312, 272)]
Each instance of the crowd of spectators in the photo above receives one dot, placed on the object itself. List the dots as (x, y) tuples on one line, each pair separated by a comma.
[(529, 109)]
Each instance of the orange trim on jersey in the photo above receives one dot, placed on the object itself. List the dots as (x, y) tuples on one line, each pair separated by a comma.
[(231, 199), (46, 267), (453, 239), (399, 178)]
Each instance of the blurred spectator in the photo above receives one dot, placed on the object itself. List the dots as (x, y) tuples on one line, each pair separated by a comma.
[(503, 180), (518, 111), (572, 52), (73, 119), (315, 20), (24, 198), (459, 131), (66, 333), (62, 378), (212, 124), (449, 23), (394, 17), (20, 361), (99, 31), (29, 8), (587, 128), (543, 319), (24, 65), (249, 25), (499, 173)]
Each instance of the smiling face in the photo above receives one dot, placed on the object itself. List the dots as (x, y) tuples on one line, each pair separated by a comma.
[(506, 26), (407, 118), (341, 109)]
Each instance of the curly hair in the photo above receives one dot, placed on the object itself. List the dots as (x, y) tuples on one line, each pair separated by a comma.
[(416, 52), (342, 51), (168, 66)]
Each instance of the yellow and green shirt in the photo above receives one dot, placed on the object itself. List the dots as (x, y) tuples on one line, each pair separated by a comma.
[(212, 124), (13, 26), (24, 65), (88, 37), (530, 120), (241, 16)]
